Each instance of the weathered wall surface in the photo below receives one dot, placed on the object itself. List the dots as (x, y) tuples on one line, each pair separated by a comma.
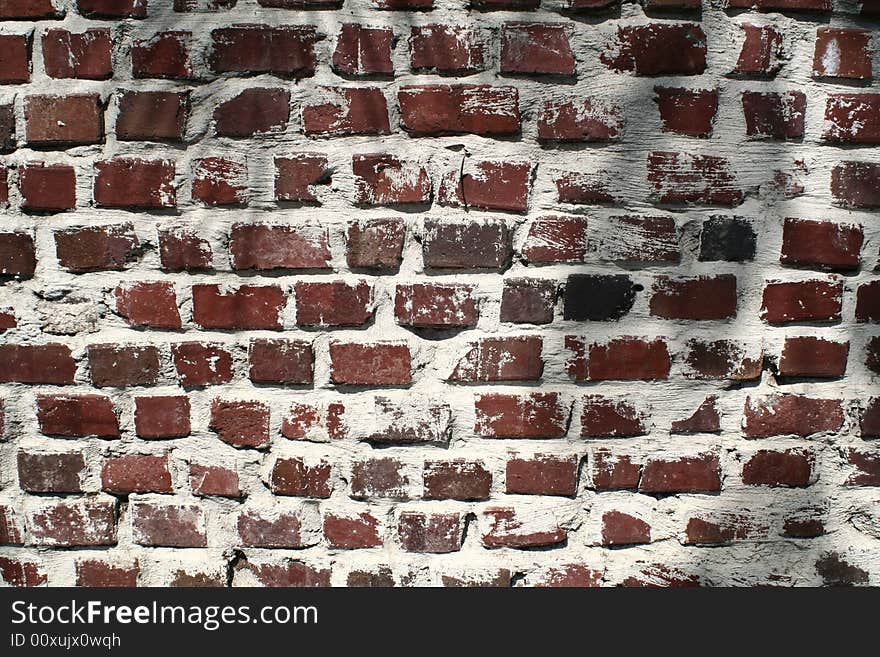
[(325, 292)]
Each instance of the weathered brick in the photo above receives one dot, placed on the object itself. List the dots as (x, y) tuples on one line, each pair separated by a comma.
[(515, 358), (432, 110), (77, 416), (347, 111), (240, 423), (542, 474), (85, 55), (790, 414), (333, 303), (657, 49), (433, 305), (536, 415)]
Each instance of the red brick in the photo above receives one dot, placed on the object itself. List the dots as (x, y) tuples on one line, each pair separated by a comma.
[(434, 533), (783, 5), (135, 473), (722, 359), (96, 573), (168, 525), (501, 5), (287, 51), (623, 529), (542, 474), (842, 53), (347, 111), (314, 423), (432, 305), (40, 472), (869, 418), (280, 361), (722, 529), (856, 184), (536, 49), (706, 419), (536, 415), (7, 321), (296, 477), (11, 528), (181, 249), (290, 573), (432, 110), (762, 52), (29, 10), (556, 239), (684, 178), (802, 301), (767, 467), (808, 356), (164, 55), (47, 188), (132, 183), (689, 112), (244, 308), (13, 571), (77, 416), (112, 8), (261, 246), (334, 303), (220, 182), (201, 364), (409, 421), (872, 359), (379, 478), (49, 363), (610, 471), (8, 142), (15, 68), (162, 417), (528, 301), (472, 245), (85, 55), (603, 416), (657, 49), (456, 479), (150, 304), (515, 358), (821, 244), (375, 244), (17, 255), (852, 118), (240, 423), (80, 523), (447, 49), (698, 298), (97, 248), (868, 302), (254, 111), (352, 531), (73, 120), (772, 115), (624, 358), (865, 467), (789, 414), (580, 120), (504, 527), (686, 474), (498, 185), (567, 575), (362, 50), (115, 365), (383, 179), (213, 480), (297, 174), (273, 529), (374, 364)]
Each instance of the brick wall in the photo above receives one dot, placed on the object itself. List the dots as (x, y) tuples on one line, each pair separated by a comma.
[(310, 292)]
